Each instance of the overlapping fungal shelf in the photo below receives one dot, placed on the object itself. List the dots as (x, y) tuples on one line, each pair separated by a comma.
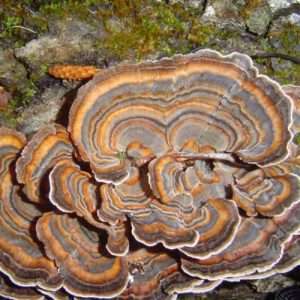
[(171, 177)]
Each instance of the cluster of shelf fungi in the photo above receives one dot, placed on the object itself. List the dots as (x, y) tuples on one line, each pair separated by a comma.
[(171, 177)]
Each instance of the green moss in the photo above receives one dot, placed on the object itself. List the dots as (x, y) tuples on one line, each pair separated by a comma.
[(28, 94), (8, 120), (20, 21), (249, 7), (9, 24), (201, 34), (154, 28), (288, 76), (9, 117), (142, 32), (61, 8), (296, 139), (36, 74), (146, 26), (287, 40)]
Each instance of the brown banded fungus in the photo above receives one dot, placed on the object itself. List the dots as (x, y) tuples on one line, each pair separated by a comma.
[(172, 176), (78, 255), (21, 257), (47, 148), (8, 290)]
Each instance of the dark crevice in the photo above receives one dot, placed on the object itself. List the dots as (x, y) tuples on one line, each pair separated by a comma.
[(228, 191), (62, 116), (293, 59), (282, 12), (204, 7)]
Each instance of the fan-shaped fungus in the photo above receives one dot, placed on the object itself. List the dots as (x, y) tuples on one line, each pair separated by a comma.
[(172, 176)]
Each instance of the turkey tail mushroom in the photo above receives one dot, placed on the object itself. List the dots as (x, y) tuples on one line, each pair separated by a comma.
[(172, 176), (77, 252), (49, 146)]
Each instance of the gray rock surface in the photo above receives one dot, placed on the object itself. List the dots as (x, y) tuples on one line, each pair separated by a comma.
[(43, 112), (13, 74), (236, 291), (259, 19), (227, 9), (272, 284), (69, 41), (277, 4)]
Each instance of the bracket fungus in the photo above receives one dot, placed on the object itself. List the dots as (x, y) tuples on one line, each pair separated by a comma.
[(171, 177)]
